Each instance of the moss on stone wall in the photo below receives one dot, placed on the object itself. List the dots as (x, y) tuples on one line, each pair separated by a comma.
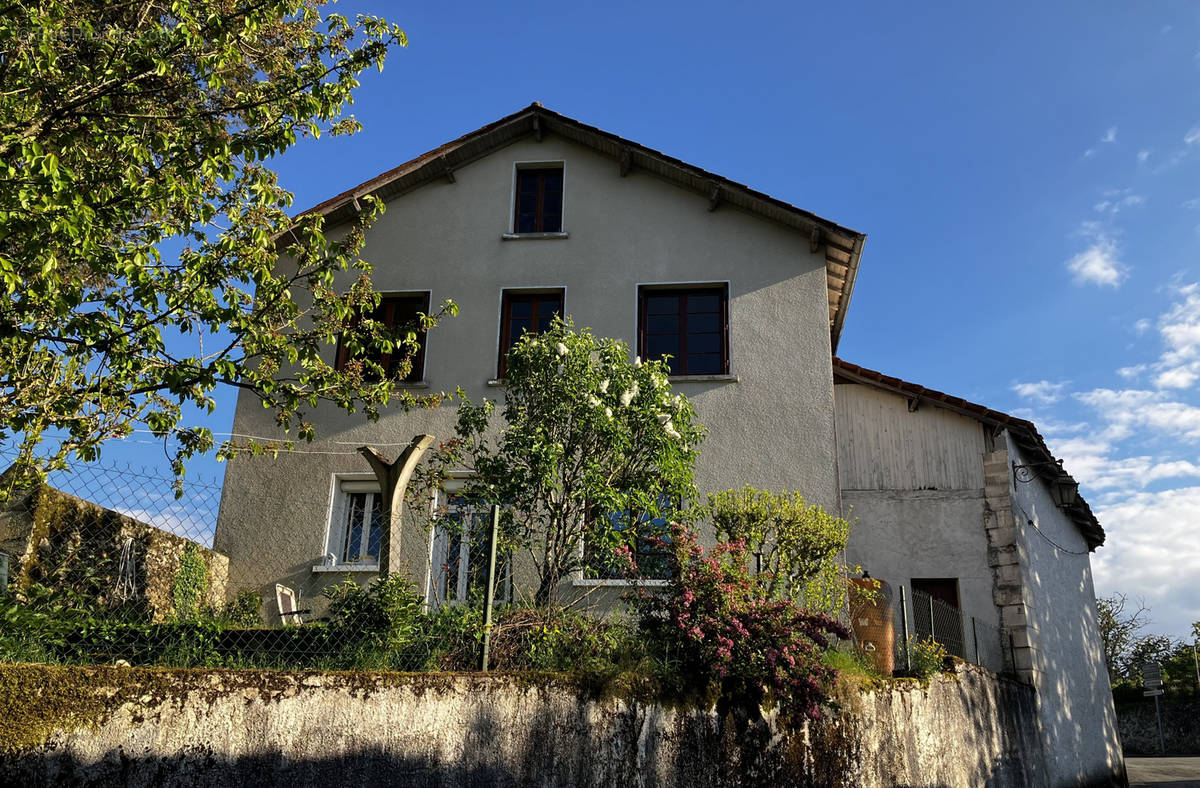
[(57, 538), (38, 701)]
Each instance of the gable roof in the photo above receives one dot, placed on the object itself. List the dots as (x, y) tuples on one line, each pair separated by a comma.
[(1023, 432), (842, 246)]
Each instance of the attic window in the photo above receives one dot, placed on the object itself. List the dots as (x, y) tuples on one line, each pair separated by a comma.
[(539, 200)]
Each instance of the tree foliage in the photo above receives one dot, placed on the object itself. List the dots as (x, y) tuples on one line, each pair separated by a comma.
[(587, 434), (1120, 625), (1127, 649), (796, 544), (138, 216)]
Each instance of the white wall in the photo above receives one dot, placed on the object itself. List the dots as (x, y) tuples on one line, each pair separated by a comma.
[(1075, 709), (772, 428)]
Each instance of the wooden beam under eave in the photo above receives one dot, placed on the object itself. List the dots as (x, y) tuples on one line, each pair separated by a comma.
[(537, 128), (814, 240), (447, 169), (626, 161), (714, 197)]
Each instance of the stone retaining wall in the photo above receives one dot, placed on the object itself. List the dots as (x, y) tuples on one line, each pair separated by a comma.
[(1139, 727), (143, 727)]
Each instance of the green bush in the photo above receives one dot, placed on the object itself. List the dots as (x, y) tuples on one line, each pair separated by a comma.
[(723, 631), (376, 627), (926, 657), (797, 544), (244, 610)]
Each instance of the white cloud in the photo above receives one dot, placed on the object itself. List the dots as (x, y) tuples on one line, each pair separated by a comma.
[(1192, 137), (1136, 410), (1117, 204), (1110, 135), (1192, 204), (1042, 391), (1141, 326), (1177, 378), (1133, 372), (1152, 552), (1143, 155), (1099, 264)]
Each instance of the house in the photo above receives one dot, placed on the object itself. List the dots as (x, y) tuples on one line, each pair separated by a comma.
[(538, 214)]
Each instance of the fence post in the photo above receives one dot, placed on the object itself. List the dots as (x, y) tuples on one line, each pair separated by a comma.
[(904, 630), (489, 594), (932, 624)]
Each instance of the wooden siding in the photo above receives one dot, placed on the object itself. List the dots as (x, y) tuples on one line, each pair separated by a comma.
[(883, 446)]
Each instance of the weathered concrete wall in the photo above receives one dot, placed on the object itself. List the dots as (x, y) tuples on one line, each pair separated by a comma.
[(1180, 727), (152, 727), (58, 539), (913, 482)]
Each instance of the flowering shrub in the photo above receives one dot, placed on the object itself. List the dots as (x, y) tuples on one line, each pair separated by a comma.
[(926, 657), (594, 447), (722, 630)]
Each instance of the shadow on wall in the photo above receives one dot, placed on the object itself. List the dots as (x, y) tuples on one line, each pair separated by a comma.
[(165, 728), (1075, 710)]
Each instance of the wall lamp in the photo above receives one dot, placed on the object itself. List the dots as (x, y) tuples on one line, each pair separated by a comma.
[(1064, 490)]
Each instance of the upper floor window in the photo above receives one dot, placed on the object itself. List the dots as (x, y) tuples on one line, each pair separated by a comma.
[(539, 200), (522, 313), (394, 311), (689, 325)]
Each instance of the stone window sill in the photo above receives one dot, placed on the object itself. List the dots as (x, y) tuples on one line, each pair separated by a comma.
[(341, 568), (533, 236), (704, 378)]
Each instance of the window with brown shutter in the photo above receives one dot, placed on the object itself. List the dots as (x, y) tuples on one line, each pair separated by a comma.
[(394, 311), (688, 325)]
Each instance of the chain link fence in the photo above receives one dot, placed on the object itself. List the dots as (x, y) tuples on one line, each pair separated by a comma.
[(925, 627), (104, 564)]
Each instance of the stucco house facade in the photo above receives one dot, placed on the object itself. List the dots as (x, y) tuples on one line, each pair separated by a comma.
[(538, 214)]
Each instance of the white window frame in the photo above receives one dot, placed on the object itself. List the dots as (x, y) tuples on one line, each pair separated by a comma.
[(336, 520), (439, 549)]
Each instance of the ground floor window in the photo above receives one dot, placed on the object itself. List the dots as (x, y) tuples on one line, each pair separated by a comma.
[(355, 524), (458, 552), (644, 538)]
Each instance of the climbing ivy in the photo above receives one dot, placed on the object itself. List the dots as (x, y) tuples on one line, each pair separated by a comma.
[(191, 583)]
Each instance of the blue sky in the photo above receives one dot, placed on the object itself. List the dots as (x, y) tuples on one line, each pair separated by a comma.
[(1028, 176)]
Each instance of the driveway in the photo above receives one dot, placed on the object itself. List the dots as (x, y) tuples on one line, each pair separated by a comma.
[(1181, 772)]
